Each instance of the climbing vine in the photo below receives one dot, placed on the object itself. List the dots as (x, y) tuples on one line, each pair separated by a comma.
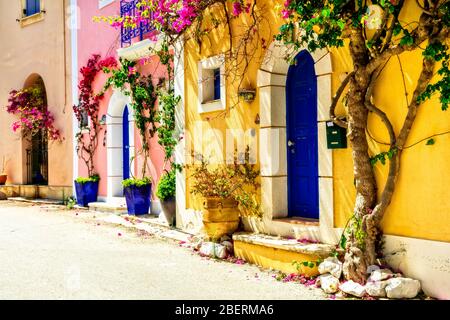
[(86, 111), (142, 91)]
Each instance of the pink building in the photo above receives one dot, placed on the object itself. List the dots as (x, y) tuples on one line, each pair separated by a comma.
[(117, 156)]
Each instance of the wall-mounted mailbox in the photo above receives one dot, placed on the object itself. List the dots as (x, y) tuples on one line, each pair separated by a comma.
[(336, 136)]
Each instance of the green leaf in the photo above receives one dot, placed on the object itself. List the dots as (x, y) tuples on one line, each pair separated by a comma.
[(343, 242), (326, 12), (397, 29), (407, 40), (430, 142)]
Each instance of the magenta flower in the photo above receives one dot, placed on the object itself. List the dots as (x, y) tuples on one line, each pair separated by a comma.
[(237, 8)]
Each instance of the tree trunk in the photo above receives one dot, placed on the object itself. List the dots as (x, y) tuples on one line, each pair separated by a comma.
[(364, 229), (356, 257), (356, 260)]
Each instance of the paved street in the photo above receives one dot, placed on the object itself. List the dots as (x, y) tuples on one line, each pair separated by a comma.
[(47, 253)]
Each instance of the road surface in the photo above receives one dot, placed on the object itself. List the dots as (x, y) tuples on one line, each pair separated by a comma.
[(49, 253)]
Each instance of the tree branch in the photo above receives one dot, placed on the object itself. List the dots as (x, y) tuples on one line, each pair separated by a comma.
[(394, 163), (369, 105), (421, 33), (336, 99), (229, 26)]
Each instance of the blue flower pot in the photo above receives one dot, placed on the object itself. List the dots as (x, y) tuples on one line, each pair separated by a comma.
[(86, 193), (138, 199)]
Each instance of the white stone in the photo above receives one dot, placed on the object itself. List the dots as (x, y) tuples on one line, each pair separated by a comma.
[(376, 289), (323, 97), (325, 154), (274, 197), (196, 242), (214, 250), (353, 288), (331, 265), (225, 238), (271, 115), (402, 288), (372, 268), (272, 151), (228, 245), (328, 283), (381, 274)]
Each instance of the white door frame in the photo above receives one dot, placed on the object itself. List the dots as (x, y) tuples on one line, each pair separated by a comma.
[(114, 142)]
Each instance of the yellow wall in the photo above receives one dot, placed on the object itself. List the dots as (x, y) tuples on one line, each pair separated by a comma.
[(420, 207)]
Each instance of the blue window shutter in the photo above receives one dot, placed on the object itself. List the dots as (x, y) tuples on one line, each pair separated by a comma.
[(216, 84), (33, 7), (30, 7), (37, 5)]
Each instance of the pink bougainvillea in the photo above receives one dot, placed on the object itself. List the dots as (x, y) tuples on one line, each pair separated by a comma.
[(88, 107), (169, 16), (30, 106)]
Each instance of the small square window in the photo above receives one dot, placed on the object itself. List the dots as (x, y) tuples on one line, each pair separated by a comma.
[(211, 85), (216, 84), (32, 7)]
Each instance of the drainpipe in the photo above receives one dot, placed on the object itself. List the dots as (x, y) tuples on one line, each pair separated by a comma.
[(74, 55)]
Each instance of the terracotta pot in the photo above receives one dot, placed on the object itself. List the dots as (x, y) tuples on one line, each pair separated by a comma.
[(3, 178), (220, 216)]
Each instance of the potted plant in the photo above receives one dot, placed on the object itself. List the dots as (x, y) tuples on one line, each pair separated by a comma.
[(86, 112), (143, 97), (166, 194), (3, 174), (228, 192), (137, 195), (86, 189)]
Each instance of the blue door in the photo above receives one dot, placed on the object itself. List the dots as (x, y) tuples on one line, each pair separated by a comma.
[(302, 152), (126, 145)]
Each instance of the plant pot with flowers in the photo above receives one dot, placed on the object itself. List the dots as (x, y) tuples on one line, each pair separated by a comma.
[(86, 190), (228, 192), (166, 194), (3, 174), (142, 93), (137, 195), (86, 112)]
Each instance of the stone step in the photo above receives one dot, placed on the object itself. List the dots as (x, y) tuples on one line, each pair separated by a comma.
[(35, 191), (37, 201), (279, 253), (109, 207)]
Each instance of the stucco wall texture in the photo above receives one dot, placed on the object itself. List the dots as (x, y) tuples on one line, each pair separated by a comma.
[(39, 48), (419, 208), (100, 38)]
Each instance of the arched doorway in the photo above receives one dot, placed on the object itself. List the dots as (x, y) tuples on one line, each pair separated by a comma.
[(119, 144), (301, 134), (271, 82), (35, 145)]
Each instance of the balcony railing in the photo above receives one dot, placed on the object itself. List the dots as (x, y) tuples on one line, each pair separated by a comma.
[(128, 8)]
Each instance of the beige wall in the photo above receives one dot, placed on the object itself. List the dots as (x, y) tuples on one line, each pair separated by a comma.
[(36, 45)]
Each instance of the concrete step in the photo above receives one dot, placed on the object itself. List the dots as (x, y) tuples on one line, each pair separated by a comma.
[(36, 191), (37, 201), (279, 253), (109, 207)]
